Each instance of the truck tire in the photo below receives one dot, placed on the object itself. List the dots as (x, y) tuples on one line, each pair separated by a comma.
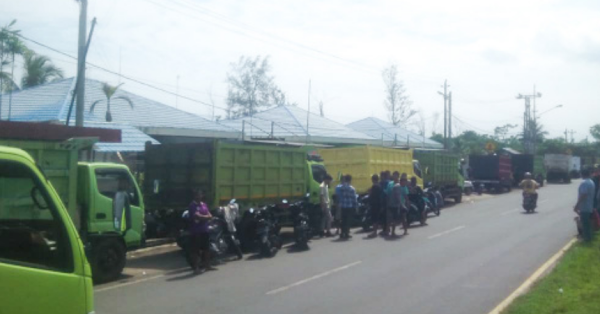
[(108, 260), (458, 198), (468, 191)]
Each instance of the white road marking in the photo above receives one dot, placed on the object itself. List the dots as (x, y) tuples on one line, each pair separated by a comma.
[(321, 275), (445, 232), (510, 211)]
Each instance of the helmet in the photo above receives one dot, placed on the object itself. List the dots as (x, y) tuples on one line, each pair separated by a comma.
[(527, 175)]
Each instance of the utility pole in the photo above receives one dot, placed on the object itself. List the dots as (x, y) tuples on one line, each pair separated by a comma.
[(529, 133), (308, 115), (566, 136), (572, 138), (445, 95), (76, 90), (450, 120), (80, 106)]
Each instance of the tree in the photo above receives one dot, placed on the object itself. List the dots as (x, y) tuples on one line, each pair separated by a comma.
[(396, 102), (595, 131), (251, 87), (38, 70), (501, 132), (10, 45), (109, 91)]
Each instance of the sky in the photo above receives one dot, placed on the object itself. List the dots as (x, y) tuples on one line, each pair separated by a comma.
[(488, 51)]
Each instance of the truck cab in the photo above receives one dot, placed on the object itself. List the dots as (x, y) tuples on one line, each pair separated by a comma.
[(42, 261), (109, 230)]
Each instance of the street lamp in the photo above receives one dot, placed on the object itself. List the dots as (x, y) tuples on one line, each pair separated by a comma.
[(555, 107), (535, 123)]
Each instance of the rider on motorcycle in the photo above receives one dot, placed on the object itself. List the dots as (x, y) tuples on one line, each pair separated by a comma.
[(529, 187)]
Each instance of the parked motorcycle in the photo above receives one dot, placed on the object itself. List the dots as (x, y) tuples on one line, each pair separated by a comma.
[(529, 202), (364, 213), (302, 229), (431, 199), (416, 208), (261, 227), (221, 230)]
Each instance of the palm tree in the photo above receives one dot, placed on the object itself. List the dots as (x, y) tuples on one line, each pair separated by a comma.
[(7, 41), (39, 70), (109, 91)]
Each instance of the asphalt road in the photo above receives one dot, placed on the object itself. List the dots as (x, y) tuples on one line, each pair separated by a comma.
[(466, 261)]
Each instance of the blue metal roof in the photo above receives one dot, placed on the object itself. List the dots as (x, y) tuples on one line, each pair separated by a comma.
[(392, 135), (50, 102), (290, 122), (132, 139)]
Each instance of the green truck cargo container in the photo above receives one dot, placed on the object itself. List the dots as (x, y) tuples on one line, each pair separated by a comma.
[(87, 191), (440, 168), (252, 174), (361, 162)]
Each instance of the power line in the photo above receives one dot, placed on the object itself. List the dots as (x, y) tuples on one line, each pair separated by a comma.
[(226, 19), (245, 28), (122, 76)]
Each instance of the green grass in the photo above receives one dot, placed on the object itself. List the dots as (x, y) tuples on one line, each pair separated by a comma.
[(577, 274)]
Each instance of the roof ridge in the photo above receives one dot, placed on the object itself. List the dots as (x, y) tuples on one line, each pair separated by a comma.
[(70, 91), (296, 119)]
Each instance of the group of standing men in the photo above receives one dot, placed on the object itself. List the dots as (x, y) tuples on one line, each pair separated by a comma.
[(389, 200)]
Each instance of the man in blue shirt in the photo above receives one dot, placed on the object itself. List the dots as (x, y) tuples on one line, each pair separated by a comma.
[(347, 203), (585, 204)]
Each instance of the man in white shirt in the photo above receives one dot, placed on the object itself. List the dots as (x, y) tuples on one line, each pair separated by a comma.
[(326, 206)]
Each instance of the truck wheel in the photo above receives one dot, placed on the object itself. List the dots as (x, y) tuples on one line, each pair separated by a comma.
[(108, 260), (458, 198)]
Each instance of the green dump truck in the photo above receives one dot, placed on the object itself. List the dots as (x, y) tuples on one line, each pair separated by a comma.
[(250, 173), (43, 268), (89, 191), (440, 168)]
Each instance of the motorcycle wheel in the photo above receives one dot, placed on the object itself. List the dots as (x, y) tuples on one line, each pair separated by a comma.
[(235, 248), (437, 211), (266, 249)]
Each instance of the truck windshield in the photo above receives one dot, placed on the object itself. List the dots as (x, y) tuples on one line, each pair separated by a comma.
[(31, 234), (318, 172), (417, 169), (110, 181)]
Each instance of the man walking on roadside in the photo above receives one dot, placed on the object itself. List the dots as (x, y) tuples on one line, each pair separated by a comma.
[(326, 207), (585, 204), (348, 204)]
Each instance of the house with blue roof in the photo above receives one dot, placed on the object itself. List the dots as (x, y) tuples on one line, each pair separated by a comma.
[(148, 120)]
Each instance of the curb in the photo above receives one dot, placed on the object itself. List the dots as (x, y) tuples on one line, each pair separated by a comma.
[(538, 274)]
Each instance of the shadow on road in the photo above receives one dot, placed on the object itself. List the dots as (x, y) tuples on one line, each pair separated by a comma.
[(297, 249)]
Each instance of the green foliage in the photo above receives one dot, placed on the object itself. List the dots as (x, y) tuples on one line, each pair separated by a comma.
[(397, 102), (109, 92), (595, 131), (38, 70), (251, 87), (572, 287)]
